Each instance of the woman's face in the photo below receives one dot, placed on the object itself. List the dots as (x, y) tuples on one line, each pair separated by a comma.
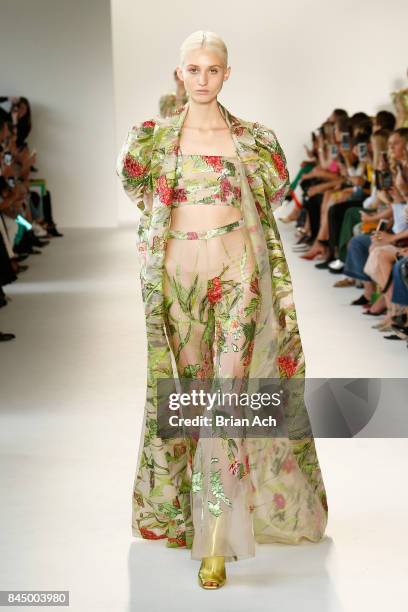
[(203, 74), (397, 147)]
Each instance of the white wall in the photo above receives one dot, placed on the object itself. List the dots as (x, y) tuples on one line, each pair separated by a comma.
[(292, 62), (58, 53)]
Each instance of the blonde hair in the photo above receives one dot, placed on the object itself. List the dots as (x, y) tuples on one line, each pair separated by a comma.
[(209, 40)]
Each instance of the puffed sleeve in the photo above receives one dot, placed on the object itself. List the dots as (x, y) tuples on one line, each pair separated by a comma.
[(134, 164), (273, 168)]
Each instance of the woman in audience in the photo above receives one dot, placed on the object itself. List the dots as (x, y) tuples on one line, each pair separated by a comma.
[(18, 209), (344, 189), (386, 247), (359, 246), (362, 216)]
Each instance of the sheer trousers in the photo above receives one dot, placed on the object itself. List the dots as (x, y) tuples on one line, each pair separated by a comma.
[(211, 301)]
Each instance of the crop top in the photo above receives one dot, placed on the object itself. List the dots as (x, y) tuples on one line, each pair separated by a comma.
[(207, 179)]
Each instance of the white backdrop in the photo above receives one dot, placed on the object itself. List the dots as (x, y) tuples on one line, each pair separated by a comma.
[(58, 53), (292, 62)]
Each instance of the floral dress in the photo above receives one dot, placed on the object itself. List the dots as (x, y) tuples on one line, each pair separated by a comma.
[(219, 303)]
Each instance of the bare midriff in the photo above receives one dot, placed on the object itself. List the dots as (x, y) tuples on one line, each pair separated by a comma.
[(203, 216)]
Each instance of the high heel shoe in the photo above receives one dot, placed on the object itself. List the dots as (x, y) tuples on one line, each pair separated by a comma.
[(368, 311), (211, 574), (311, 256), (286, 219)]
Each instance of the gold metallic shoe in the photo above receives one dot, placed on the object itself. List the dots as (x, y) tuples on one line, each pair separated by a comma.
[(211, 574)]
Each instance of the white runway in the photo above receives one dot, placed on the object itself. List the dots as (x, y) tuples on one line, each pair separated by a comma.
[(72, 397)]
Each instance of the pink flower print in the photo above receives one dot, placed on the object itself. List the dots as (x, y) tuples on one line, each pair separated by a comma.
[(179, 195), (234, 467), (248, 357), (164, 190), (279, 500), (225, 189), (287, 365), (214, 291), (214, 161), (192, 236), (280, 165), (148, 124), (206, 369), (278, 195), (288, 465), (133, 168), (237, 192)]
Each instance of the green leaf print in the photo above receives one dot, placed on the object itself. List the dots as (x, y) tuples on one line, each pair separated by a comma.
[(192, 296), (252, 306), (190, 371), (214, 508), (230, 167), (249, 333), (169, 510), (208, 333), (183, 342), (217, 488), (196, 482)]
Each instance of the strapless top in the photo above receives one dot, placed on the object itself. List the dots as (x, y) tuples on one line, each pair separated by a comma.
[(207, 179)]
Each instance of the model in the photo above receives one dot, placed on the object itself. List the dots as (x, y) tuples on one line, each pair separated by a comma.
[(218, 303)]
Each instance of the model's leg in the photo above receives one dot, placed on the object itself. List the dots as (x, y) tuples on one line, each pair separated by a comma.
[(190, 329), (184, 288), (222, 522)]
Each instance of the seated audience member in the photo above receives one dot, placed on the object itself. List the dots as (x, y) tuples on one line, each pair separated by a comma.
[(357, 219), (359, 246)]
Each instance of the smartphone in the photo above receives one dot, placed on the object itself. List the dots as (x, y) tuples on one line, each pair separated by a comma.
[(383, 180), (334, 151), (386, 179), (362, 151), (381, 225), (345, 141)]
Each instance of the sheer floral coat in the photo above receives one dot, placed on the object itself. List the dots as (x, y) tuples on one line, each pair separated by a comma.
[(294, 506)]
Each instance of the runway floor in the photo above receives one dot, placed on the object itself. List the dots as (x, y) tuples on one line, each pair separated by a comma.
[(72, 396)]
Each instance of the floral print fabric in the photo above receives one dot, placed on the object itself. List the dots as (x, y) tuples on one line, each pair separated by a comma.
[(211, 302), (205, 179), (286, 496)]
